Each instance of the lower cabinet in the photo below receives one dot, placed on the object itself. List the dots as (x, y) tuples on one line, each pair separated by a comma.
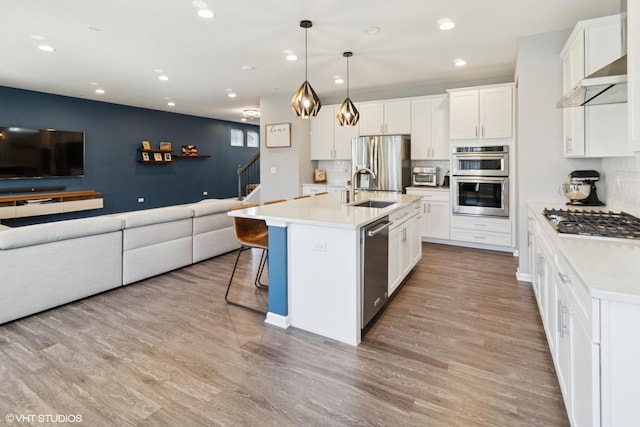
[(593, 341), (405, 247), (483, 230), (436, 211)]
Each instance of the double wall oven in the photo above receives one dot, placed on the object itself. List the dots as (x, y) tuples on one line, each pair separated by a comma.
[(480, 180)]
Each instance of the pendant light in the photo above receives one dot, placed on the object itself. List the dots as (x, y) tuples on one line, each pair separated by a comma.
[(305, 103), (348, 114)]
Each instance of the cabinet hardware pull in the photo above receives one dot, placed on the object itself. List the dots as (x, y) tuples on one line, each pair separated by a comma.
[(476, 131), (564, 278)]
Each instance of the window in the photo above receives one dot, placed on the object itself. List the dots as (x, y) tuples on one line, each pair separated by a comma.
[(253, 139), (237, 138)]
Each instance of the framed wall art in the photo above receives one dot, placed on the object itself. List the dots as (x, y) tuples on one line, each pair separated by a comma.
[(145, 157), (278, 135)]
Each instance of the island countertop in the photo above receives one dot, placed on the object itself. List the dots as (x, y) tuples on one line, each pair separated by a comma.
[(328, 210)]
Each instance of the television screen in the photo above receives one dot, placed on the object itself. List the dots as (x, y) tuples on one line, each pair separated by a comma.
[(40, 153)]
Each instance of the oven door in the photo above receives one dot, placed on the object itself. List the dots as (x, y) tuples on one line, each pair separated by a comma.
[(480, 196), (481, 164)]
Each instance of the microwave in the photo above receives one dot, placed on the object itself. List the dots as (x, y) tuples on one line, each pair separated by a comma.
[(481, 161), (425, 176)]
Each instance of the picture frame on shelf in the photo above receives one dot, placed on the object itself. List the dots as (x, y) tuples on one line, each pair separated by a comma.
[(189, 150), (145, 157), (165, 146), (167, 157), (146, 145), (157, 157), (278, 135)]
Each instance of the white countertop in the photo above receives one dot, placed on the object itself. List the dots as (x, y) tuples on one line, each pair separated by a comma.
[(327, 210), (609, 267)]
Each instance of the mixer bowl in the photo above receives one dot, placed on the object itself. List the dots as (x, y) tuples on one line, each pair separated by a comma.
[(576, 192)]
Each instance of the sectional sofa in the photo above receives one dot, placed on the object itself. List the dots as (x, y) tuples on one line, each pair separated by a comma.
[(46, 265)]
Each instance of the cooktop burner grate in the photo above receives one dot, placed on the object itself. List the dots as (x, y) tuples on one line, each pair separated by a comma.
[(594, 223)]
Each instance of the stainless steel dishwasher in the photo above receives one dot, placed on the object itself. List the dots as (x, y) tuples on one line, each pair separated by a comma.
[(374, 240)]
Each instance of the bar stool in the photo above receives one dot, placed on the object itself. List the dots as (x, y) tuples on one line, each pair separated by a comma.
[(302, 197), (270, 202), (321, 193), (250, 233)]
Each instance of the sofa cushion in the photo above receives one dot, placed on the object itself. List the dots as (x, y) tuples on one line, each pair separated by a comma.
[(154, 216), (213, 206), (37, 234)]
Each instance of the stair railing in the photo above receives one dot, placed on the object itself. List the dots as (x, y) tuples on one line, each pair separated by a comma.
[(248, 176)]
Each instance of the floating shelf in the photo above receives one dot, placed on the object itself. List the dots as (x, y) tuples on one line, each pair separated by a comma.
[(199, 156)]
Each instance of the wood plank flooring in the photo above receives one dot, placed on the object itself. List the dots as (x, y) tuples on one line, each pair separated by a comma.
[(461, 344)]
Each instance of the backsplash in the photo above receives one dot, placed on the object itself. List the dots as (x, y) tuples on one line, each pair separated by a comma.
[(622, 183), (338, 171)]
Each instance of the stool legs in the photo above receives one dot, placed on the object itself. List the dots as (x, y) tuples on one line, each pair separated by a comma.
[(257, 283)]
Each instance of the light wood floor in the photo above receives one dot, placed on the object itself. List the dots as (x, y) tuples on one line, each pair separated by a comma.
[(460, 345)]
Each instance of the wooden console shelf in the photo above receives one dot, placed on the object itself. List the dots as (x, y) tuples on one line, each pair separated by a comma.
[(34, 204)]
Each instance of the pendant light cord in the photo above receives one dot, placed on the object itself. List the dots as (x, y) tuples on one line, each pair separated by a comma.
[(305, 54)]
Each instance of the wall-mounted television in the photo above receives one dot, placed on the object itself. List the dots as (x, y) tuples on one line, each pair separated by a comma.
[(40, 153)]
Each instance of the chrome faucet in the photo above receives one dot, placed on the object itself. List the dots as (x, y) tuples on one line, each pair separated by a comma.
[(357, 173)]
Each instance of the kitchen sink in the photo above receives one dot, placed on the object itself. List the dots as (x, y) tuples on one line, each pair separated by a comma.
[(374, 204)]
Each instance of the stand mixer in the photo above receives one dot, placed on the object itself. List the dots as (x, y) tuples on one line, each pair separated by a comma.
[(581, 189)]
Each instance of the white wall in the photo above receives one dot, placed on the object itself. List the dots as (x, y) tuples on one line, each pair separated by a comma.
[(292, 165), (541, 166)]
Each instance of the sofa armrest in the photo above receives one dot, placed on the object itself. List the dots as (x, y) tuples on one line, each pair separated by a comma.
[(55, 231)]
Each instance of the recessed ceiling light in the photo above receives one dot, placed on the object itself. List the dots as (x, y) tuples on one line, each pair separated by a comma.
[(292, 57), (100, 91), (206, 14), (199, 4), (372, 30), (338, 80), (247, 68), (445, 24), (163, 78), (231, 95), (459, 62), (37, 37), (171, 104), (46, 48), (244, 119), (158, 70)]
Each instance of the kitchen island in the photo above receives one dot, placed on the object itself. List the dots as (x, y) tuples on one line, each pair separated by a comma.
[(315, 258)]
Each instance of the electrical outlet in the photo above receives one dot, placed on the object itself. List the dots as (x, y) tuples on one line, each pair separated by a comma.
[(320, 246), (273, 170), (205, 193), (140, 199)]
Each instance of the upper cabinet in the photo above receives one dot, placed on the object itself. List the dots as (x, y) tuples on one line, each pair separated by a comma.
[(633, 64), (481, 112), (593, 130), (329, 140), (391, 117), (430, 127)]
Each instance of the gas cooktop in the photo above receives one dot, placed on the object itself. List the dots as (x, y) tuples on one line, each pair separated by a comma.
[(594, 223)]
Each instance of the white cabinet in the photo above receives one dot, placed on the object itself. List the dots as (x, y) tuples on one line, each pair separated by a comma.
[(390, 117), (329, 140), (481, 113), (633, 68), (405, 249), (436, 212), (596, 130), (311, 189), (482, 230), (430, 127)]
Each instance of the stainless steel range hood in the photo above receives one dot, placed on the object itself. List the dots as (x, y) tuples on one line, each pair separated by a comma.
[(608, 85)]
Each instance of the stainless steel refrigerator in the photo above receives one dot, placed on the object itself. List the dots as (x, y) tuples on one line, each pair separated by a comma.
[(381, 163)]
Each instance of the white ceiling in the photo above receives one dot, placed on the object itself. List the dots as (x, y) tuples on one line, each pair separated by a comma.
[(118, 45)]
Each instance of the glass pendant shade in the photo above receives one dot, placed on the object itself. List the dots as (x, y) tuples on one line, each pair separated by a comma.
[(348, 114), (305, 102)]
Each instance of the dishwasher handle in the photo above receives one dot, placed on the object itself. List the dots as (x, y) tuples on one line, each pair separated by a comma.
[(378, 229)]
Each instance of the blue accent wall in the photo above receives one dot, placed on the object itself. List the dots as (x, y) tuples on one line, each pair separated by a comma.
[(113, 134)]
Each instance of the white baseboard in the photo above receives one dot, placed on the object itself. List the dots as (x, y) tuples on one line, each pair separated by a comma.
[(277, 320), (523, 277)]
